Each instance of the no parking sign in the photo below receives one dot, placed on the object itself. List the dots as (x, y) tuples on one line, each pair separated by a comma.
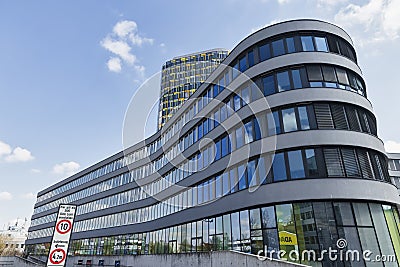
[(62, 233)]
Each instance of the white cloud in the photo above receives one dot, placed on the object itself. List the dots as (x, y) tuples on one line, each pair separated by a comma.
[(5, 196), (119, 48), (5, 149), (124, 37), (329, 3), (66, 168), (29, 195), (392, 147), (281, 2), (114, 64), (124, 28), (378, 19), (19, 155)]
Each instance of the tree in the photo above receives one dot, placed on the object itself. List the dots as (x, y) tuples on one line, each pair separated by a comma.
[(4, 243)]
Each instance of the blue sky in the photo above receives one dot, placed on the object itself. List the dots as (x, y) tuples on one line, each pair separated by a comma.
[(68, 70)]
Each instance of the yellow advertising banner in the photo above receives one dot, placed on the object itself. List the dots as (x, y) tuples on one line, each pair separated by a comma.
[(287, 238)]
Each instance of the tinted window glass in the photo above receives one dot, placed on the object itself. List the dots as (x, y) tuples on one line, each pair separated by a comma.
[(242, 64), (278, 48), (311, 163), (296, 164), (342, 76), (314, 73), (289, 120), (268, 217), (242, 177), (273, 123), (279, 168), (344, 214), (362, 215), (237, 102), (246, 96), (250, 57), (249, 132), (296, 79), (304, 123), (321, 45), (329, 74), (290, 45), (239, 137), (269, 85), (265, 52), (283, 81), (307, 43), (225, 146)]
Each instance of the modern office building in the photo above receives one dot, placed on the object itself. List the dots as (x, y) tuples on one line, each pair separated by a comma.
[(181, 76), (277, 151), (394, 168)]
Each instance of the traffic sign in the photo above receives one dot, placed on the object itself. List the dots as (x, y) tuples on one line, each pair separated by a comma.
[(61, 236)]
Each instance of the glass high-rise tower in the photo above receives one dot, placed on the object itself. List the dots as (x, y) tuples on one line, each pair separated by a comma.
[(181, 76)]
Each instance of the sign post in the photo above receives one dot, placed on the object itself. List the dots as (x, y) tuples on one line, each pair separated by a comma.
[(61, 236)]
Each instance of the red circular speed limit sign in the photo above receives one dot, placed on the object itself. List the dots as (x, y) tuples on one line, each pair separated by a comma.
[(57, 256), (63, 226)]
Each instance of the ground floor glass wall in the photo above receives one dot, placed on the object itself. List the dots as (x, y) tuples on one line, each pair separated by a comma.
[(293, 229)]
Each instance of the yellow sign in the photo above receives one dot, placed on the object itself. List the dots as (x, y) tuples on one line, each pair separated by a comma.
[(287, 238)]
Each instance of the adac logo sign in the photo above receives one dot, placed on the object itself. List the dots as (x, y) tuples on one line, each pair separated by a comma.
[(287, 238)]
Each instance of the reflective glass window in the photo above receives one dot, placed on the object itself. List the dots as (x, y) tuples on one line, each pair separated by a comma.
[(225, 146), (250, 57), (274, 126), (239, 137), (249, 132), (251, 173), (307, 43), (225, 183), (243, 64), (303, 116), (242, 177), (283, 81), (362, 215), (343, 213), (314, 73), (286, 227), (235, 225), (311, 161), (218, 186), (296, 166), (329, 73), (278, 167), (290, 45), (218, 150), (278, 48), (255, 219), (342, 76), (296, 77), (381, 230), (269, 85), (320, 43), (237, 102), (246, 96), (268, 217), (265, 52), (289, 120)]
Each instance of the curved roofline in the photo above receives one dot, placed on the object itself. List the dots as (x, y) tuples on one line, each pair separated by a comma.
[(295, 20)]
